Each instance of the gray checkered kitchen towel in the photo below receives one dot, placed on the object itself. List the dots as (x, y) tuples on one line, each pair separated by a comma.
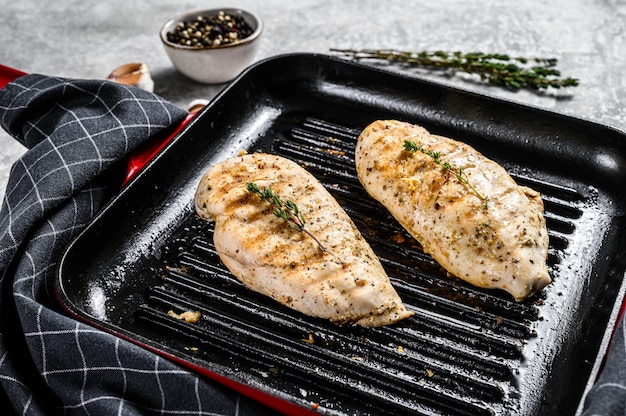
[(77, 132)]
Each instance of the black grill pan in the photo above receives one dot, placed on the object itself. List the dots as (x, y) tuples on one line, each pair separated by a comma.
[(466, 351)]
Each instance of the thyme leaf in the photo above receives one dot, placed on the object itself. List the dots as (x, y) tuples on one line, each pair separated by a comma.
[(287, 210), (412, 147), (495, 68)]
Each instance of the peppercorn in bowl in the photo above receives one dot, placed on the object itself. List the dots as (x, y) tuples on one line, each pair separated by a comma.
[(212, 46)]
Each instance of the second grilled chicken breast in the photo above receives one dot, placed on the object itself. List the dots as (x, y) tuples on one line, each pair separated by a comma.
[(477, 222), (337, 277)]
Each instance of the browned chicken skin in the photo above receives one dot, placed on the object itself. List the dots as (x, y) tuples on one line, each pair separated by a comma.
[(489, 231), (345, 284)]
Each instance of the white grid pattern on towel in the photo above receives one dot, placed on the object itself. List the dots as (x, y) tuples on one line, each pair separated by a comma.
[(49, 362)]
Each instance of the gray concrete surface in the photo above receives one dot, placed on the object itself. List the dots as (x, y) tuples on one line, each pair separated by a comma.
[(87, 39)]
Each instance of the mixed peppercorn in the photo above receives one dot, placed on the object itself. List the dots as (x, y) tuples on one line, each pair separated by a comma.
[(210, 31)]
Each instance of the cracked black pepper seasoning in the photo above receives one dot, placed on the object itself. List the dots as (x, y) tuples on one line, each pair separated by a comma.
[(210, 31)]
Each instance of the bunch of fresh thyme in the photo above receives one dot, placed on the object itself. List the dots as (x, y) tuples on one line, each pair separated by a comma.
[(412, 147), (287, 210), (495, 68)]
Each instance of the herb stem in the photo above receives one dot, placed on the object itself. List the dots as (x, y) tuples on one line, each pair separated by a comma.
[(461, 176), (498, 69), (287, 210)]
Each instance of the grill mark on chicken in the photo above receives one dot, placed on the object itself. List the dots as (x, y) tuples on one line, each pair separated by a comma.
[(346, 285), (500, 242)]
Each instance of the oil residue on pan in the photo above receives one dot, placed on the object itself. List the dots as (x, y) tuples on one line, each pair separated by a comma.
[(464, 352)]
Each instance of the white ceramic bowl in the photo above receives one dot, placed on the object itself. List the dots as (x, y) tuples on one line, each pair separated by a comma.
[(213, 64)]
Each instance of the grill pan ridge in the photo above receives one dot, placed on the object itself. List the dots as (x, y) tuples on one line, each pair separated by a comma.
[(467, 351), (460, 361)]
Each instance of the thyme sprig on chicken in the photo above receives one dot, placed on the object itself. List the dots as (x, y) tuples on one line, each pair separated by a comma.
[(461, 176), (287, 210), (496, 68)]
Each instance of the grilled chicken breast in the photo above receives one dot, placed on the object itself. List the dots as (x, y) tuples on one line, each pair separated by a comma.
[(343, 282), (486, 230)]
